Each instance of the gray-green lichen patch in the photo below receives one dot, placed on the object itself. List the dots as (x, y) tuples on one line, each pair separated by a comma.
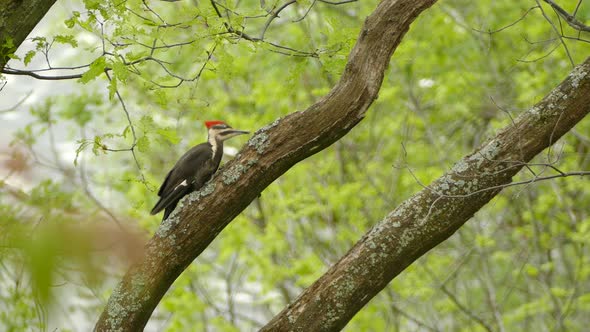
[(406, 208), (196, 196), (487, 153), (166, 225), (115, 309), (460, 166), (207, 190), (444, 184), (555, 102), (331, 316), (259, 141), (536, 111), (578, 74), (252, 162), (233, 173), (344, 291), (406, 238), (138, 283), (376, 231), (174, 218), (448, 186), (269, 126), (120, 305)]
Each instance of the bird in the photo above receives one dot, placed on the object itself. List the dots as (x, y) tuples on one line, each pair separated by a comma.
[(195, 167)]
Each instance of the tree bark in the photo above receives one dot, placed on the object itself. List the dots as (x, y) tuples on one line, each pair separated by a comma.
[(17, 20), (270, 152), (435, 213)]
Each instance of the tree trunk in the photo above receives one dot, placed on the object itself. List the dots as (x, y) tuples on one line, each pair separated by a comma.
[(17, 20)]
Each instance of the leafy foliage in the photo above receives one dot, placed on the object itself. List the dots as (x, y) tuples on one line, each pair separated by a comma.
[(462, 72)]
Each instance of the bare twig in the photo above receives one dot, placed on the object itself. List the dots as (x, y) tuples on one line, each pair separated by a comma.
[(20, 102), (90, 195), (132, 127), (306, 12), (336, 3), (567, 51), (571, 20), (462, 307), (511, 24), (274, 14)]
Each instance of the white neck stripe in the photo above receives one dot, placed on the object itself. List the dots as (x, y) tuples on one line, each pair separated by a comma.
[(213, 143)]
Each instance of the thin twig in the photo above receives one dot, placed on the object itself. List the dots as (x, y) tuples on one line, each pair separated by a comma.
[(132, 127), (569, 19), (274, 14), (306, 12), (20, 102), (511, 24), (567, 51), (90, 195)]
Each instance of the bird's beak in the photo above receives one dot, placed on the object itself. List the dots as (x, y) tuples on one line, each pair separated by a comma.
[(227, 134)]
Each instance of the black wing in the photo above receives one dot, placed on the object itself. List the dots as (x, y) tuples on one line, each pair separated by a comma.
[(170, 200), (181, 179)]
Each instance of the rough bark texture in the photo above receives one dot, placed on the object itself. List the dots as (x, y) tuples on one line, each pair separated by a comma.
[(17, 20), (270, 152), (435, 213)]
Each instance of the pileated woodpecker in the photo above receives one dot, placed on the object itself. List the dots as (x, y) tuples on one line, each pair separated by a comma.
[(195, 167)]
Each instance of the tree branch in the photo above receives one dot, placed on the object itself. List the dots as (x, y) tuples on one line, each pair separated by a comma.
[(269, 153), (416, 226), (11, 71)]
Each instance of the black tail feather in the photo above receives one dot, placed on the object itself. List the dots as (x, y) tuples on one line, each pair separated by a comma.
[(168, 202)]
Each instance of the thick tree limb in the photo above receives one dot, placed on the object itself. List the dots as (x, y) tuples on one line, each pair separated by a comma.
[(17, 20), (269, 154), (435, 213)]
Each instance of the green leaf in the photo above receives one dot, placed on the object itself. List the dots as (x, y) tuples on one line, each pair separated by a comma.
[(170, 135), (41, 43), (126, 131), (92, 4), (161, 98), (143, 143), (71, 22), (97, 145), (66, 39), (8, 43), (29, 56), (82, 144), (77, 109), (96, 68), (112, 88), (147, 123), (120, 71)]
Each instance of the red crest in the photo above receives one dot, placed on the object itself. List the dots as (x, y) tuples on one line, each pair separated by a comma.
[(212, 123)]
